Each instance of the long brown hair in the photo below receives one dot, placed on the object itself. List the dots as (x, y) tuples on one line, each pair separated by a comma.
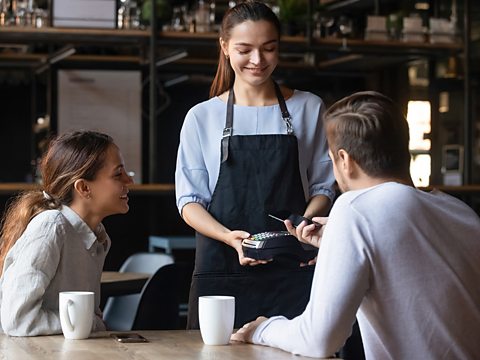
[(244, 11), (72, 156)]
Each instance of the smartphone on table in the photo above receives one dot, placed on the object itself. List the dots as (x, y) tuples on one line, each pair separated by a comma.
[(128, 337)]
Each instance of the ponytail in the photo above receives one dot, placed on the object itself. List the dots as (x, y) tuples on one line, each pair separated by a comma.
[(18, 214), (224, 77)]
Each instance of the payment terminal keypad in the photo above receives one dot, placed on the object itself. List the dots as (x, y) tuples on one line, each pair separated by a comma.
[(268, 235)]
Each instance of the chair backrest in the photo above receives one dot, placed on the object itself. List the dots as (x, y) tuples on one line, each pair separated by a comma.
[(161, 296), (146, 262), (119, 312)]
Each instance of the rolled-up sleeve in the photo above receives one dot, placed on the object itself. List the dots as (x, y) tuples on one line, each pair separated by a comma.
[(319, 167), (191, 174)]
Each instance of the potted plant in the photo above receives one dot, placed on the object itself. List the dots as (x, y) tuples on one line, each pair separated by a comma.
[(292, 14), (163, 11)]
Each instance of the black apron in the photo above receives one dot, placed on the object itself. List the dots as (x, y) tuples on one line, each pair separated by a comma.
[(258, 174)]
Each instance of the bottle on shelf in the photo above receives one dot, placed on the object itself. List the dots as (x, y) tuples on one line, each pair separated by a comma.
[(202, 17), (178, 19), (128, 15)]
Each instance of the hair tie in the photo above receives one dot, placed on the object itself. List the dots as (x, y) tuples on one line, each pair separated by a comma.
[(46, 195)]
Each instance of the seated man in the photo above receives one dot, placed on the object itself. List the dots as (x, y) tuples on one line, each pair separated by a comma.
[(403, 261)]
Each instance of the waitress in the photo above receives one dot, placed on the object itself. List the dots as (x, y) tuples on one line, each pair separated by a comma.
[(252, 148)]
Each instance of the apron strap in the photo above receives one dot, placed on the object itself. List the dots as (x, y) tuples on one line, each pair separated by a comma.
[(227, 131), (283, 107)]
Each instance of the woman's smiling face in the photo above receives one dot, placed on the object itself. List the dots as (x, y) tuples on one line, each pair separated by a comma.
[(109, 189), (253, 51)]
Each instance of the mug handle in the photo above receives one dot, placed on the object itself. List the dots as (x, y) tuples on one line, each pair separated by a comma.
[(66, 316)]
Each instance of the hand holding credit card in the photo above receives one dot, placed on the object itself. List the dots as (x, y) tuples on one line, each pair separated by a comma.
[(295, 219)]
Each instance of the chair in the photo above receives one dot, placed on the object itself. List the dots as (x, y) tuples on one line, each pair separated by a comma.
[(161, 298), (168, 243), (119, 312)]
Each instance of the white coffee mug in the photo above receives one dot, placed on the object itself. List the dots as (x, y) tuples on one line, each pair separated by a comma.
[(216, 315), (76, 313)]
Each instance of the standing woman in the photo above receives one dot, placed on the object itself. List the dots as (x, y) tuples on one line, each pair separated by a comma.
[(52, 239), (251, 149)]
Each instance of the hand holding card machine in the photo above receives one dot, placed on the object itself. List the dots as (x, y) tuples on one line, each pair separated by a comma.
[(269, 244)]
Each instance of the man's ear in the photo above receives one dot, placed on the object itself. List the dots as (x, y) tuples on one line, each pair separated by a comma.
[(81, 188), (346, 162)]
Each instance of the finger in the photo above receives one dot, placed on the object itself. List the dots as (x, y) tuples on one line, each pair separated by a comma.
[(238, 336), (322, 220), (304, 230), (245, 235), (248, 261), (244, 261), (308, 231), (289, 226), (257, 262)]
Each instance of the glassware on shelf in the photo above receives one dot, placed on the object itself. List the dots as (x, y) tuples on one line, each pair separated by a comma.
[(317, 26), (5, 12), (178, 19), (22, 13), (122, 14), (40, 18), (345, 27), (326, 23), (212, 13), (135, 15), (202, 17), (188, 19), (128, 15), (394, 26)]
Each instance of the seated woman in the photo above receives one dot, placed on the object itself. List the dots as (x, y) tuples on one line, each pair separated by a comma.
[(52, 239)]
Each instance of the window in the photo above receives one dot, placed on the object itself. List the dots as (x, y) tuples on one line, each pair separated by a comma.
[(419, 122)]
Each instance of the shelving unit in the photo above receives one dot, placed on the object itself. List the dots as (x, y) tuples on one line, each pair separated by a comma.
[(325, 55), (20, 34), (140, 40), (299, 54)]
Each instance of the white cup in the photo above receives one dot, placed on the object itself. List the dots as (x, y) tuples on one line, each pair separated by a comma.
[(76, 313), (216, 315)]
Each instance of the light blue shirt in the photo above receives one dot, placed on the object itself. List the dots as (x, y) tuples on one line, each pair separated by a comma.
[(57, 252), (198, 159)]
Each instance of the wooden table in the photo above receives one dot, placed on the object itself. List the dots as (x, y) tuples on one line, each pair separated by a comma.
[(165, 345), (116, 283)]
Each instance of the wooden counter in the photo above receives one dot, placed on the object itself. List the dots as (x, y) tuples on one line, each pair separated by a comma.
[(11, 188), (158, 189)]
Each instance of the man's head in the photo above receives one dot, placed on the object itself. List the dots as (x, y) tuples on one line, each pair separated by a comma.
[(371, 130)]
